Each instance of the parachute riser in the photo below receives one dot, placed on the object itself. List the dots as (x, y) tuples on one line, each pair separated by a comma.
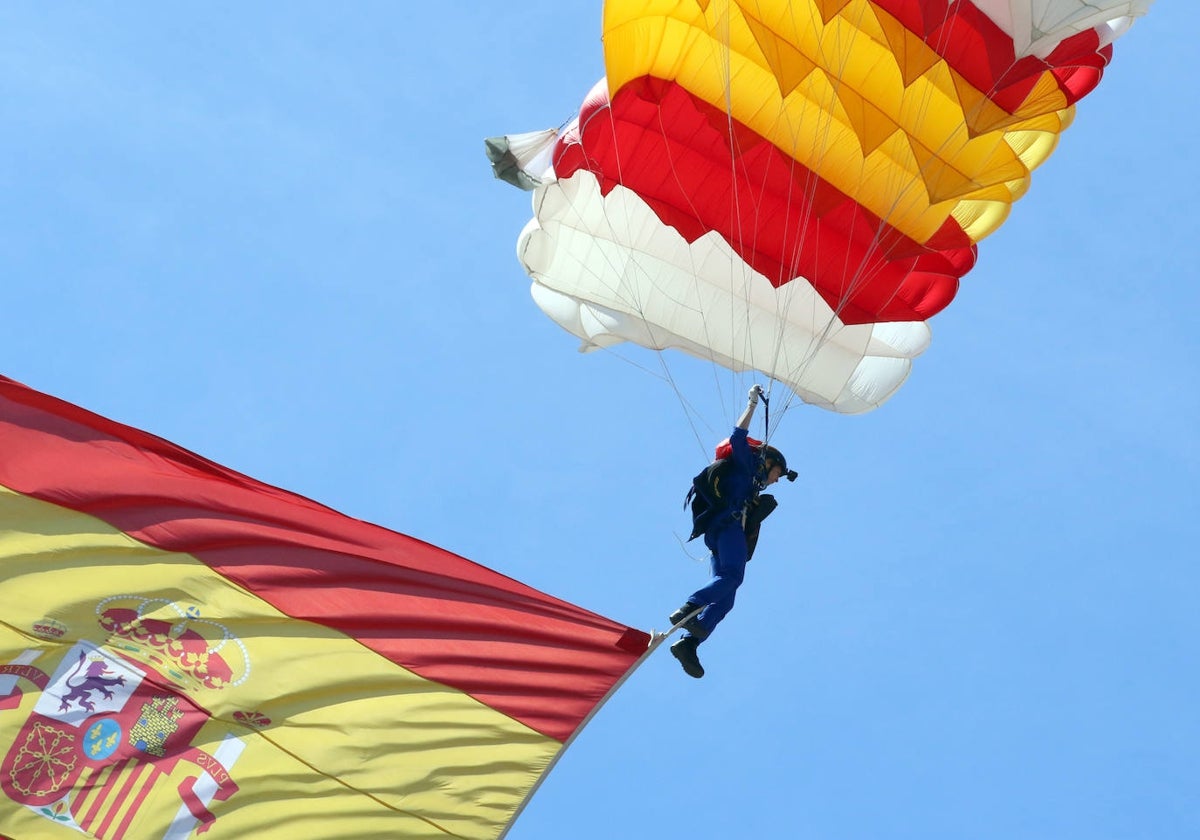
[(790, 475)]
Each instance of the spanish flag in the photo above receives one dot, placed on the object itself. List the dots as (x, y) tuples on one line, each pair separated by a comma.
[(185, 651)]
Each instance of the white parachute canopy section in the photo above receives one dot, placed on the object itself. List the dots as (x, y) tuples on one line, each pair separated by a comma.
[(639, 281), (1037, 27)]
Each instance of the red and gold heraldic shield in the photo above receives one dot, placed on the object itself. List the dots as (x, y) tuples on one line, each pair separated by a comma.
[(185, 651)]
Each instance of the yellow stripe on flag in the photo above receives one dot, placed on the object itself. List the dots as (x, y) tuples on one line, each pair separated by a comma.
[(330, 739)]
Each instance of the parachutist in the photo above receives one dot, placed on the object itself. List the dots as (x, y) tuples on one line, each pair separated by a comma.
[(728, 509)]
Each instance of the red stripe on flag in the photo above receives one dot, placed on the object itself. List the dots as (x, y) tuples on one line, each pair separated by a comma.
[(137, 775), (88, 797)]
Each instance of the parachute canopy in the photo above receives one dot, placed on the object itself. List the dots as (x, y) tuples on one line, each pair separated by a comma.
[(797, 187), (185, 648)]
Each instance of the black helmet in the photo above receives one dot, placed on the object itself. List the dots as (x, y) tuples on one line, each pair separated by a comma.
[(770, 453)]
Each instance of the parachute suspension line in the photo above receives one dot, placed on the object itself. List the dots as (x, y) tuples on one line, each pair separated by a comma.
[(701, 311), (739, 319), (721, 57), (856, 273), (783, 300), (690, 412), (898, 189), (628, 291), (766, 401), (737, 328), (856, 276), (807, 184), (811, 183)]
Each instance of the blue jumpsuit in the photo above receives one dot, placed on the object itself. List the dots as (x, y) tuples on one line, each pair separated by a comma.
[(726, 538)]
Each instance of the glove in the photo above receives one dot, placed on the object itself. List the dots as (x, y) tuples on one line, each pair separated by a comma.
[(754, 393)]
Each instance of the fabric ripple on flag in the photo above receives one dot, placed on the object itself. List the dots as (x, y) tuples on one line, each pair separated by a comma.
[(184, 648)]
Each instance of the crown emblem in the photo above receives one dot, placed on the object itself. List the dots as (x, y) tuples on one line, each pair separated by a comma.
[(175, 639), (49, 628)]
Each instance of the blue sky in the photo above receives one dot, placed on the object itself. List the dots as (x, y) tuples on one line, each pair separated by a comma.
[(270, 235)]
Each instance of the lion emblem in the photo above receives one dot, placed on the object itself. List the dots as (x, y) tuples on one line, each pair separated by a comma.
[(82, 683)]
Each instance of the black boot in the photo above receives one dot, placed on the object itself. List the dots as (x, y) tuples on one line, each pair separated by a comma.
[(685, 651), (692, 625)]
